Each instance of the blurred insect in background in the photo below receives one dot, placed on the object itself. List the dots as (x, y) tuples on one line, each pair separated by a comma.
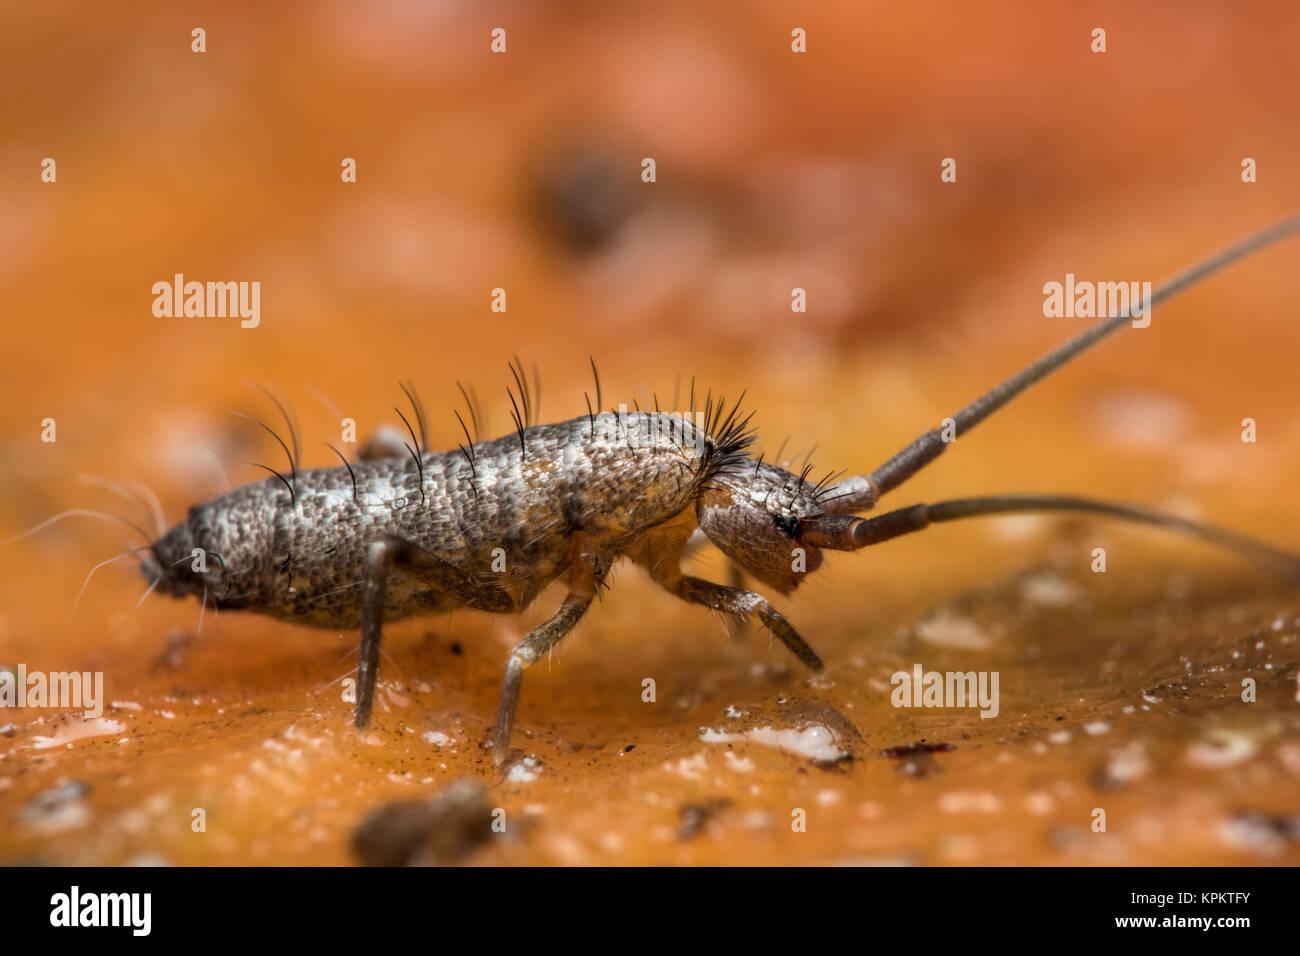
[(405, 531)]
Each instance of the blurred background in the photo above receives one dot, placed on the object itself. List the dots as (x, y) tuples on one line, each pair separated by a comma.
[(522, 171)]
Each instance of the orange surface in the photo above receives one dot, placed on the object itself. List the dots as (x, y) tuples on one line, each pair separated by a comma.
[(1120, 691)]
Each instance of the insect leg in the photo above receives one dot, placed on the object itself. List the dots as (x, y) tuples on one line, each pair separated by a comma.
[(393, 553), (527, 652), (374, 587), (736, 628), (740, 603)]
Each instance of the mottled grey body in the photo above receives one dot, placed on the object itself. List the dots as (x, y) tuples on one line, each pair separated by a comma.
[(511, 516)]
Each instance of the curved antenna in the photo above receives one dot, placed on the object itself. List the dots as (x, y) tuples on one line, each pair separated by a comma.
[(851, 533), (860, 493)]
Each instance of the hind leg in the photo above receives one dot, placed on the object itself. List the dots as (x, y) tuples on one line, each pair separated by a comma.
[(526, 653), (391, 553), (586, 575)]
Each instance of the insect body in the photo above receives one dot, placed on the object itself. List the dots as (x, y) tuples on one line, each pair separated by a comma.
[(491, 525)]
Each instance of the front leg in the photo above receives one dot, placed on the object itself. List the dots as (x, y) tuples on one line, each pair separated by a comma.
[(393, 553), (739, 603), (661, 553)]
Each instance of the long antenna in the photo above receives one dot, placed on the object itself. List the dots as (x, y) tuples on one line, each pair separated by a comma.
[(859, 493)]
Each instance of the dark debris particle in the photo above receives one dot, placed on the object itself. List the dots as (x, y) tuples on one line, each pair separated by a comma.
[(917, 759), (922, 746), (456, 648), (442, 830), (629, 748), (582, 197), (695, 815)]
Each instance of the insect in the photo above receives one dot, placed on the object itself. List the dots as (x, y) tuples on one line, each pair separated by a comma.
[(490, 524)]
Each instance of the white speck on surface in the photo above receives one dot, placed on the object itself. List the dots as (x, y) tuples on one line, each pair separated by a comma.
[(79, 728), (437, 738), (756, 820), (1141, 418), (739, 764), (1096, 728), (815, 742), (525, 771), (946, 629), (961, 801), (1221, 748), (1039, 803), (1019, 527), (1059, 736), (1049, 589), (1128, 763), (692, 768)]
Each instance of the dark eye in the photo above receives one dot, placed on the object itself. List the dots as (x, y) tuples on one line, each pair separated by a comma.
[(787, 525)]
